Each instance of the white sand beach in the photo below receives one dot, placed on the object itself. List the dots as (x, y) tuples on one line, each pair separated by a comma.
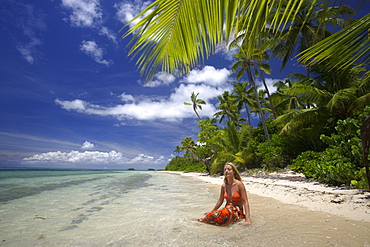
[(295, 189)]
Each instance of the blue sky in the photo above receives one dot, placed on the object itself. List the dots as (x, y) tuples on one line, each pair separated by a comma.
[(71, 98)]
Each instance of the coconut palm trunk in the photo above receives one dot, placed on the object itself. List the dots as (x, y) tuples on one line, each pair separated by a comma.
[(261, 114)]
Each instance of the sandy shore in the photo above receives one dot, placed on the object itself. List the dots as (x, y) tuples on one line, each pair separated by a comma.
[(295, 189)]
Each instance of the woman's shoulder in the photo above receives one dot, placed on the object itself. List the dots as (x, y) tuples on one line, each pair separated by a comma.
[(239, 183), (223, 186)]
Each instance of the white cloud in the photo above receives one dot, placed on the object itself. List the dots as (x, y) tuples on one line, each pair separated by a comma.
[(87, 145), (27, 52), (126, 97), (228, 54), (165, 109), (208, 75), (160, 78), (77, 105), (92, 157), (88, 14), (85, 13), (109, 34), (91, 49), (31, 22), (270, 84), (143, 158), (127, 10)]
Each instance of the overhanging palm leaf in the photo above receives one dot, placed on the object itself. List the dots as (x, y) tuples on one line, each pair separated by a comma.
[(309, 28), (353, 43), (177, 34)]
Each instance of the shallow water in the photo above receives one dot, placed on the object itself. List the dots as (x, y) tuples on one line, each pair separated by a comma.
[(134, 208)]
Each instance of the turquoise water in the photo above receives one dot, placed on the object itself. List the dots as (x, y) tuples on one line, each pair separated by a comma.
[(147, 208), (21, 182), (100, 208)]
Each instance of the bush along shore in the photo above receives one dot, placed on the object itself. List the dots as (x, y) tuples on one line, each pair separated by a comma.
[(328, 152)]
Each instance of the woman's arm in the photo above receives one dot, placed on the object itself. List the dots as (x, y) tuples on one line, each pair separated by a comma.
[(221, 198), (245, 204)]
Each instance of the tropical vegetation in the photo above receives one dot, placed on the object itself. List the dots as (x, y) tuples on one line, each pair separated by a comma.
[(310, 124)]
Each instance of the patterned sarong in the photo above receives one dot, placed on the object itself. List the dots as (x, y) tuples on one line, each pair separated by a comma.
[(223, 217)]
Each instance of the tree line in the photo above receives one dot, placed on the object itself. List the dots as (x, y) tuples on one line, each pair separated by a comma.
[(310, 124)]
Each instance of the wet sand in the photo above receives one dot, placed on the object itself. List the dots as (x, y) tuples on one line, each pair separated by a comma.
[(294, 212)]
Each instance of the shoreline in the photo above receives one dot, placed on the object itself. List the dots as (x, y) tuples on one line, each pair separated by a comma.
[(295, 189)]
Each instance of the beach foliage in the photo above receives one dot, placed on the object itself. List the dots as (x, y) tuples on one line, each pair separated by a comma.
[(185, 164), (342, 161), (309, 124)]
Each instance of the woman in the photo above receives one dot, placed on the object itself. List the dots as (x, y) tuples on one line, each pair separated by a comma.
[(234, 192)]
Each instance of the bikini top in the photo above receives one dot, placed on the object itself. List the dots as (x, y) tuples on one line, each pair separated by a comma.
[(235, 196)]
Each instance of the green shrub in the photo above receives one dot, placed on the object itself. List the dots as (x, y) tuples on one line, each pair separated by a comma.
[(271, 157), (328, 167), (185, 164), (362, 183), (342, 161)]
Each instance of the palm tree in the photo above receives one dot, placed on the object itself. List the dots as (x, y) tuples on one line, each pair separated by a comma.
[(342, 49), (284, 100), (246, 64), (176, 35), (191, 148), (228, 108), (196, 103), (309, 28), (232, 145), (338, 96), (178, 150), (243, 97)]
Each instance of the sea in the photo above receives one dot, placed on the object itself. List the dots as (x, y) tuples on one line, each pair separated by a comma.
[(57, 207)]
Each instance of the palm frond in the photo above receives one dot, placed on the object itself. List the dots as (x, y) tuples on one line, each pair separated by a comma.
[(175, 35), (341, 99), (295, 118), (352, 42)]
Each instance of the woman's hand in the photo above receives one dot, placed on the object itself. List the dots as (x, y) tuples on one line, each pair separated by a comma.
[(247, 222)]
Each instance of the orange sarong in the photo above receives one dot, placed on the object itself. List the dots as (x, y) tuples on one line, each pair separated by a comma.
[(223, 217)]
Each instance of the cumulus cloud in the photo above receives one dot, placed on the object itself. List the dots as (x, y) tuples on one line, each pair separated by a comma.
[(87, 145), (93, 157), (270, 84), (127, 10), (85, 13), (91, 49), (208, 75), (127, 97), (143, 158), (88, 14), (160, 78), (165, 109)]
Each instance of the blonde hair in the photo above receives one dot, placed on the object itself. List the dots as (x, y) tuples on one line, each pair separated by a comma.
[(236, 172)]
